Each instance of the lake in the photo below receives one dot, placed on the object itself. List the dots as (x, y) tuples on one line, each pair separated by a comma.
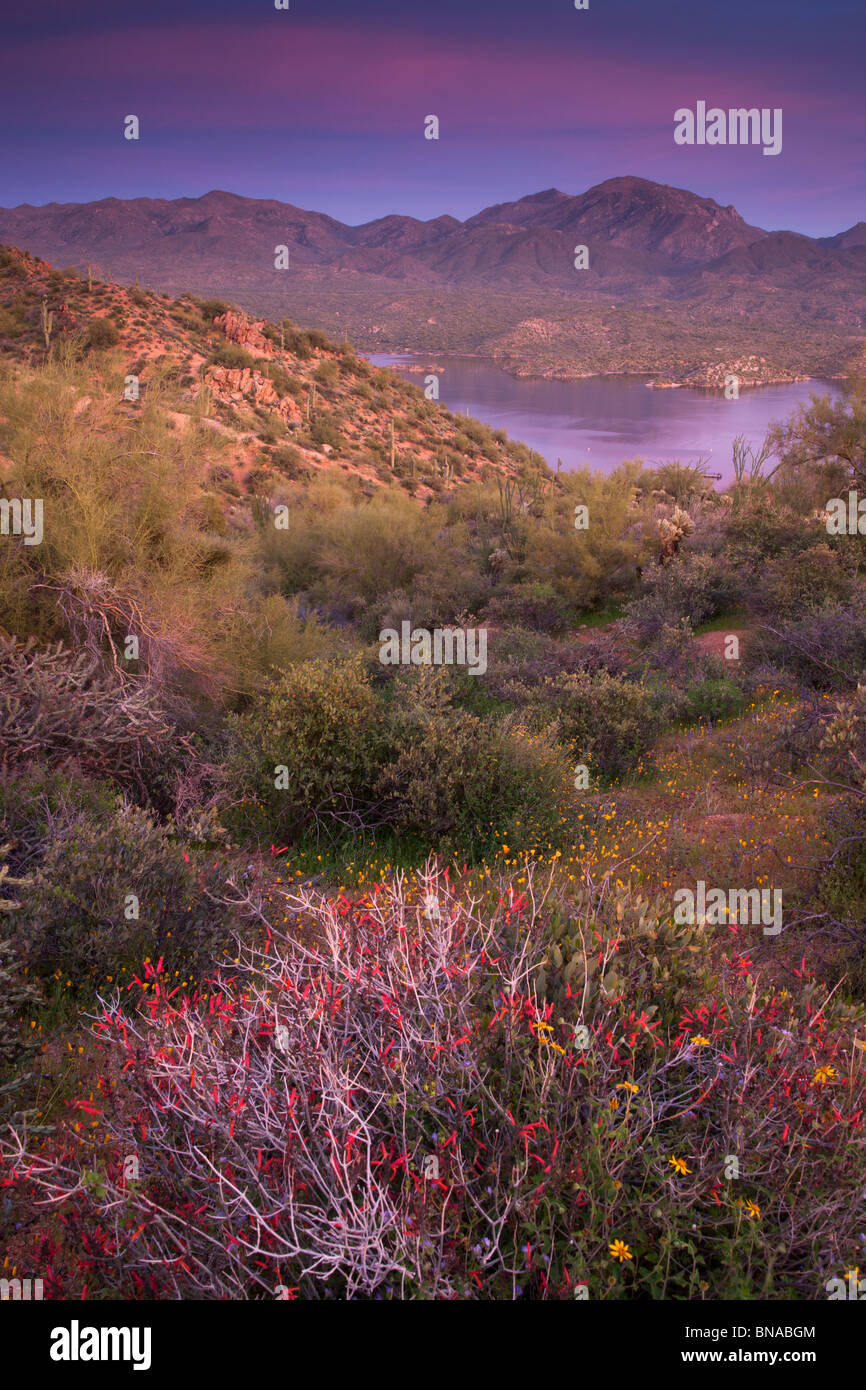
[(600, 421)]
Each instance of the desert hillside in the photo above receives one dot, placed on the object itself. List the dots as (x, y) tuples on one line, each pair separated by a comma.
[(283, 402)]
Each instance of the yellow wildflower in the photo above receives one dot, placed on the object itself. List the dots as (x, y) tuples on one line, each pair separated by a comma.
[(620, 1251)]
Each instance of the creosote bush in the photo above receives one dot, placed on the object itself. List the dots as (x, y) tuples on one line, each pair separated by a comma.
[(471, 780), (102, 333), (692, 586), (823, 649)]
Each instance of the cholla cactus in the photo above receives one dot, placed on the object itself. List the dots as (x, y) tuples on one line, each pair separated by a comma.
[(672, 531), (16, 992), (58, 704), (844, 741), (6, 881)]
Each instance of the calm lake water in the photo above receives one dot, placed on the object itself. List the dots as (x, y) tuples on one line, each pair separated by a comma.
[(600, 421)]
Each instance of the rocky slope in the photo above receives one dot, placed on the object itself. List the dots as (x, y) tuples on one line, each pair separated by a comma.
[(286, 402)]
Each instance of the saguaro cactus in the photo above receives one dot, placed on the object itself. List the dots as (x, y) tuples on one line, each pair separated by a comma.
[(47, 323)]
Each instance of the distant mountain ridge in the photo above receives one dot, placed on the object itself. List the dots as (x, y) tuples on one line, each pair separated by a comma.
[(446, 285), (627, 213)]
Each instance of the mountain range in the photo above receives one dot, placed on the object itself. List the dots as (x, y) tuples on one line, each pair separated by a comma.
[(675, 283)]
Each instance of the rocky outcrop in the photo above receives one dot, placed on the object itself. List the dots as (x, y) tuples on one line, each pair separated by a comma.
[(238, 384), (247, 333)]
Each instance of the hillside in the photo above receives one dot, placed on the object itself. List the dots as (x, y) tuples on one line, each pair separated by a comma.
[(697, 281), (285, 403)]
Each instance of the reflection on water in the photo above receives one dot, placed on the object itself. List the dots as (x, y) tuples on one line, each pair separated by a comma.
[(600, 421)]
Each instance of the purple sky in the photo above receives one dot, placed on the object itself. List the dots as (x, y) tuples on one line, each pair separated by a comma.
[(323, 105)]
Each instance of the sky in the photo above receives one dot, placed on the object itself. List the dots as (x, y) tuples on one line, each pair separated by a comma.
[(323, 105)]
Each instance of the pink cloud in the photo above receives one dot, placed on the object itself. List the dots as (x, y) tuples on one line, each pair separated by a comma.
[(301, 76)]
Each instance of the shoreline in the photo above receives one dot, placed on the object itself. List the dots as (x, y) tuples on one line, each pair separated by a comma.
[(415, 365)]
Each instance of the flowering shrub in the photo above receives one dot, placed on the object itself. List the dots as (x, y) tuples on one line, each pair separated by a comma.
[(430, 1094)]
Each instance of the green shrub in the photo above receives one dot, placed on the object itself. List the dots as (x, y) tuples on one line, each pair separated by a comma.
[(367, 551), (608, 722), (713, 699), (285, 384), (533, 606), (321, 722), (693, 586), (290, 461), (823, 650), (680, 481), (324, 432), (231, 355), (12, 263), (214, 308), (13, 321), (17, 992), (468, 780), (790, 585), (328, 373), (110, 892), (840, 890), (102, 333), (320, 340), (519, 660), (671, 650)]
